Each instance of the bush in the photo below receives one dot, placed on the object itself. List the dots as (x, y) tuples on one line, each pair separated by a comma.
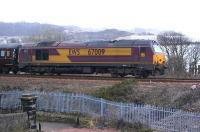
[(126, 91), (187, 99), (9, 88)]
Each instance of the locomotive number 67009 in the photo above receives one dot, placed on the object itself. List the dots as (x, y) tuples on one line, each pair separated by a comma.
[(87, 52), (96, 52)]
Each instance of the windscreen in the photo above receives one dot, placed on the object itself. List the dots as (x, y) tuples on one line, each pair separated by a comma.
[(157, 48)]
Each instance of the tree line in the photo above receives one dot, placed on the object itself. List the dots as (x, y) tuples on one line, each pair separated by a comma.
[(182, 54)]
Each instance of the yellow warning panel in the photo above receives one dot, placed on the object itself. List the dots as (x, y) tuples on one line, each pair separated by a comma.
[(100, 52)]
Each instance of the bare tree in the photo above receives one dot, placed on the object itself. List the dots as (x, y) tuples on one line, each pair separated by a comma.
[(194, 58), (176, 46)]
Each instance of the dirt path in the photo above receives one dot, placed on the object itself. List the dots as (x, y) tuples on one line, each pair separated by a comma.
[(62, 127)]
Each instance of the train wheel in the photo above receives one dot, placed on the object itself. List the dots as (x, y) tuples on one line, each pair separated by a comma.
[(122, 75), (145, 75), (162, 72), (114, 75), (14, 71), (5, 70), (41, 73), (58, 74), (158, 72)]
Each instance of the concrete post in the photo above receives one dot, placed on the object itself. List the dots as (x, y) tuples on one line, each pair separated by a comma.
[(28, 102)]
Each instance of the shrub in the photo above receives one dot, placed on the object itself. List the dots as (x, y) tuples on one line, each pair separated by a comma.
[(188, 98), (126, 91)]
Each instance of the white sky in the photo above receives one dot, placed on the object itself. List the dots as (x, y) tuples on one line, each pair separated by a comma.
[(178, 15)]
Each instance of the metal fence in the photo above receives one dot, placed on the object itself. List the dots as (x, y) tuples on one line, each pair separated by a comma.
[(159, 118)]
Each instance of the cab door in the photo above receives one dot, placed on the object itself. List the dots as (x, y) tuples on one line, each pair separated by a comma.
[(143, 54)]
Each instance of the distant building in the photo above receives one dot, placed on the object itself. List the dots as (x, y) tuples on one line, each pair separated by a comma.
[(3, 40), (135, 36), (6, 40)]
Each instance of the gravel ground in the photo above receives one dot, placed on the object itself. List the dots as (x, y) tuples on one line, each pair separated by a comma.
[(63, 85), (62, 127), (82, 86)]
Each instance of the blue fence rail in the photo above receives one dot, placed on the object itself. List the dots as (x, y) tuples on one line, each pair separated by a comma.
[(159, 118)]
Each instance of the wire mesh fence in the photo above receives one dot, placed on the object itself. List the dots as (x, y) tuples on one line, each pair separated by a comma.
[(159, 118)]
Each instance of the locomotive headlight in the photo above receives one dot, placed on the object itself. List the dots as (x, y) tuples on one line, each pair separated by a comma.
[(159, 58)]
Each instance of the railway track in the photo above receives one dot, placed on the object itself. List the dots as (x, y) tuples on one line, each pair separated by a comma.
[(108, 78), (78, 77)]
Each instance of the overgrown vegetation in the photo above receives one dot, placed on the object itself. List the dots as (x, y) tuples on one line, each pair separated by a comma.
[(86, 121), (13, 129), (126, 91), (9, 88), (13, 122), (131, 92), (130, 127), (188, 99)]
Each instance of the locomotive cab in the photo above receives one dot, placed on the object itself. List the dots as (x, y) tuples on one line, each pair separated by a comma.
[(159, 59)]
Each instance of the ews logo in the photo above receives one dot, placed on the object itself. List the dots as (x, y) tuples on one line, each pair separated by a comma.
[(74, 52)]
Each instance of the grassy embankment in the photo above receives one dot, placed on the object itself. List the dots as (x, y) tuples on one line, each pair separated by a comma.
[(129, 91)]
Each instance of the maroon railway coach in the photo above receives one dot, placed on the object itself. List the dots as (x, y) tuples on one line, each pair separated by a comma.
[(9, 58)]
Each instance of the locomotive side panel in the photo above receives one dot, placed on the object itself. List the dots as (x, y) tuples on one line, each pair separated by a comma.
[(79, 55), (125, 55)]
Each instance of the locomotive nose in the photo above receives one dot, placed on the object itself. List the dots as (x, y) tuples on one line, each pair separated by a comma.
[(159, 59)]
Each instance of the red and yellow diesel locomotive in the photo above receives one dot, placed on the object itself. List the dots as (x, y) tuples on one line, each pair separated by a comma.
[(119, 58)]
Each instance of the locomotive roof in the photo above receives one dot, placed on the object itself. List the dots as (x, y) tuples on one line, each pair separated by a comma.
[(119, 43), (10, 45), (115, 43)]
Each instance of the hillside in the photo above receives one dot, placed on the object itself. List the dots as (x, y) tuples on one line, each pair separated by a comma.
[(35, 32), (108, 34), (24, 29)]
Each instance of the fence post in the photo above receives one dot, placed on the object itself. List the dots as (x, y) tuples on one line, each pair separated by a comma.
[(28, 102), (149, 109), (121, 110), (82, 103), (101, 107), (0, 100)]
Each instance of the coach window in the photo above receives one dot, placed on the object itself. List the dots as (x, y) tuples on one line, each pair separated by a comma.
[(8, 53), (142, 52), (42, 54), (2, 53)]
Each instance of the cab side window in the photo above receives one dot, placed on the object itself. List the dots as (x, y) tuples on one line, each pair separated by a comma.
[(2, 53), (142, 52), (42, 54)]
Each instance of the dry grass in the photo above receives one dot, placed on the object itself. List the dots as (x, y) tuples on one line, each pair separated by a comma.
[(62, 85), (176, 95)]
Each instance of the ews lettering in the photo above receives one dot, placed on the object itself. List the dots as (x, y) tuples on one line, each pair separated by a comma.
[(74, 52)]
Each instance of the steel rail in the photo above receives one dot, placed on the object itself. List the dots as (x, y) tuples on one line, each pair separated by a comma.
[(108, 78)]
